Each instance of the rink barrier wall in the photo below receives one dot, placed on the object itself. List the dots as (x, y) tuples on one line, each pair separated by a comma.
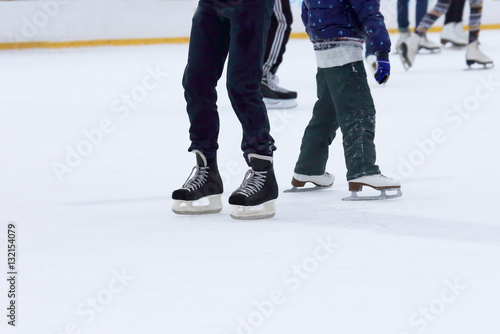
[(152, 41), (102, 42)]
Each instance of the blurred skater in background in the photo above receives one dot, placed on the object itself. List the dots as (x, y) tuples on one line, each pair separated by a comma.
[(404, 31), (404, 23), (408, 49), (453, 29)]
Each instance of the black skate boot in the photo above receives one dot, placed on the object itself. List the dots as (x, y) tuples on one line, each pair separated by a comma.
[(276, 97), (259, 187), (205, 184)]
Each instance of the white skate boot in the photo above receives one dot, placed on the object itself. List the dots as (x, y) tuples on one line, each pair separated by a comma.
[(454, 33), (403, 36), (408, 50), (320, 182), (426, 44), (474, 55), (378, 182)]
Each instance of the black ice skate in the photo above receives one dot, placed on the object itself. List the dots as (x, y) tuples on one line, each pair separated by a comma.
[(276, 97), (379, 182), (205, 185), (259, 188)]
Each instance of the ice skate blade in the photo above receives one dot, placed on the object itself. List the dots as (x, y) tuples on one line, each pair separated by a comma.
[(302, 189), (403, 54), (457, 45), (279, 104), (240, 212), (214, 205), (431, 50), (383, 195), (485, 66)]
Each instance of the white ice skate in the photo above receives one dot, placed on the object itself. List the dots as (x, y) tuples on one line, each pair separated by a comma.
[(408, 50), (454, 33), (428, 45), (320, 182), (475, 56), (403, 36), (378, 182)]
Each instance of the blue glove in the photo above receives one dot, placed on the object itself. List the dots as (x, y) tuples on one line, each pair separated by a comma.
[(383, 67)]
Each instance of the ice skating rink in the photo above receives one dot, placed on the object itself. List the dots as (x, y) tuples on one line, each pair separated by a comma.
[(94, 140)]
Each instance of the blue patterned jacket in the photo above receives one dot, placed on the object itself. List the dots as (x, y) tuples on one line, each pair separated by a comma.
[(345, 19)]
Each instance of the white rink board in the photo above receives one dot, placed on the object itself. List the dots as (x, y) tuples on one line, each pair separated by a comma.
[(75, 20)]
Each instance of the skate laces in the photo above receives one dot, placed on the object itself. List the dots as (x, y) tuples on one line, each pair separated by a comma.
[(252, 183), (198, 180)]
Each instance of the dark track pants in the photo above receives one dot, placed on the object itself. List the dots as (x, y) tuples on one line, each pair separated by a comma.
[(345, 101), (238, 29), (455, 12), (278, 35)]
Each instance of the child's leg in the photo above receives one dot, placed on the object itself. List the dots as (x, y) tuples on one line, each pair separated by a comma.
[(320, 132), (439, 9), (208, 49), (476, 7), (356, 115)]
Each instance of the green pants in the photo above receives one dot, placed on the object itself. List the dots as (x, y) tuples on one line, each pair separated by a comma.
[(345, 101)]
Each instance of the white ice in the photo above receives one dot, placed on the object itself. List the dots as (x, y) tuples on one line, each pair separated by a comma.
[(428, 262)]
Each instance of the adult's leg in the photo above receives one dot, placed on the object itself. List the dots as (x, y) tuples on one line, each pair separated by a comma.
[(356, 116), (421, 10), (455, 12), (439, 9), (208, 48), (320, 131), (249, 27), (278, 35), (403, 22), (476, 7)]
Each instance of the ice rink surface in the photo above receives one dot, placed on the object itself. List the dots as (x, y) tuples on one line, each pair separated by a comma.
[(94, 140)]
